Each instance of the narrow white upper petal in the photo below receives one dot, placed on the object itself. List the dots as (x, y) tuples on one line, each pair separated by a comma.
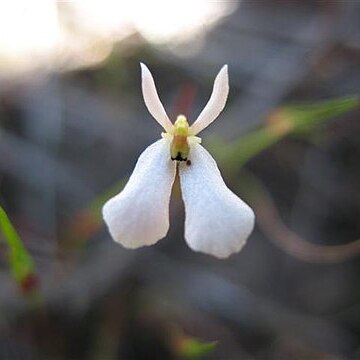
[(216, 102), (217, 221), (152, 100), (139, 215)]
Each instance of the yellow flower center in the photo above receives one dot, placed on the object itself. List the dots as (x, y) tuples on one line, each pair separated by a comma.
[(179, 148), (181, 139)]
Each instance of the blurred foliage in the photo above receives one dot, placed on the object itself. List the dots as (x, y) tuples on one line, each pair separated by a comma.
[(190, 348), (284, 121), (269, 221), (20, 261), (89, 221)]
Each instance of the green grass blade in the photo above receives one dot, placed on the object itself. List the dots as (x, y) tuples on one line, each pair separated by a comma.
[(282, 122), (20, 262)]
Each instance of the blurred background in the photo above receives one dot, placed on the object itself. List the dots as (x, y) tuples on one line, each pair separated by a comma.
[(73, 123)]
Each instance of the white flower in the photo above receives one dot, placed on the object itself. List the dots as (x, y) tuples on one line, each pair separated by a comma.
[(217, 221)]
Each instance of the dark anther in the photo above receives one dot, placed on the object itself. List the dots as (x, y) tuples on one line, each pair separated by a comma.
[(188, 163), (179, 157)]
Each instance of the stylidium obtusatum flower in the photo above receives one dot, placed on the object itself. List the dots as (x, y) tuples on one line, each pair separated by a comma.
[(217, 221)]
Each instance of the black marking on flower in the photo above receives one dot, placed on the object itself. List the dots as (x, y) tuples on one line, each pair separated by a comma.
[(179, 157)]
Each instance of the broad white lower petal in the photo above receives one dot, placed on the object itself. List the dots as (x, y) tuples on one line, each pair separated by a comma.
[(139, 215), (215, 104), (152, 100), (217, 221)]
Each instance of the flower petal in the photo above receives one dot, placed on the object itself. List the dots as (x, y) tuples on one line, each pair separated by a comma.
[(152, 100), (215, 104), (139, 215), (217, 221)]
